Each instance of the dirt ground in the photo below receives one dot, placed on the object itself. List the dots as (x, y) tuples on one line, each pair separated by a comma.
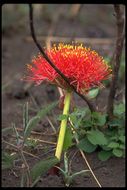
[(17, 51)]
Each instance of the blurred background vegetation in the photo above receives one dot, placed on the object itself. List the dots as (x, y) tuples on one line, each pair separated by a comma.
[(95, 21), (87, 20)]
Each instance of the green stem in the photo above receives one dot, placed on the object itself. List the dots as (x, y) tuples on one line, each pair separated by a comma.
[(63, 126)]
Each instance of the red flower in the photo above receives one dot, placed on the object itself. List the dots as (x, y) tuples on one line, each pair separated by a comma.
[(83, 67)]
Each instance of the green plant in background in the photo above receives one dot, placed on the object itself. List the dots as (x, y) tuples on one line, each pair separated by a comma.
[(31, 143), (30, 124), (8, 160), (91, 129), (11, 18), (40, 167), (29, 176), (94, 132)]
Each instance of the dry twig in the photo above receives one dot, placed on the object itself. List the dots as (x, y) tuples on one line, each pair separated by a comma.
[(116, 58)]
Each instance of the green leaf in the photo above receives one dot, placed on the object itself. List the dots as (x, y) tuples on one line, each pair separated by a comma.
[(62, 117), (25, 115), (105, 147), (106, 82), (99, 118), (82, 172), (104, 155), (7, 160), (30, 125), (7, 129), (77, 116), (32, 143), (66, 165), (93, 93), (33, 121), (73, 117), (86, 146), (122, 146), (67, 139), (113, 145), (122, 138), (62, 171), (114, 138), (16, 133), (42, 167), (114, 123), (117, 152), (107, 60), (121, 132), (87, 123), (96, 137), (44, 111), (119, 109)]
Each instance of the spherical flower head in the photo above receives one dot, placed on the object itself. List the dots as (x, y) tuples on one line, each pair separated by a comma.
[(83, 67)]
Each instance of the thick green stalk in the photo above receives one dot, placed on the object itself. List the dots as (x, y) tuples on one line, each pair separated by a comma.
[(63, 126)]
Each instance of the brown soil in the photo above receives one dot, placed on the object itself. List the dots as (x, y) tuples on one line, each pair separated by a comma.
[(16, 53)]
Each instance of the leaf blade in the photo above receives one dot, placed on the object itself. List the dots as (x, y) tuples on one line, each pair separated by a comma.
[(42, 167), (86, 146), (30, 125), (104, 155), (117, 152), (93, 93), (96, 137), (34, 121), (67, 139)]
